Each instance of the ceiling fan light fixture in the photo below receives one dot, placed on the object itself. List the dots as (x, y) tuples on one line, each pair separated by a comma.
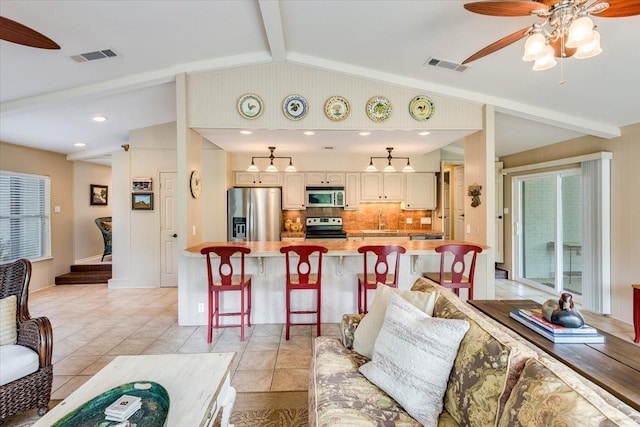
[(581, 32), (534, 47), (590, 49), (547, 61)]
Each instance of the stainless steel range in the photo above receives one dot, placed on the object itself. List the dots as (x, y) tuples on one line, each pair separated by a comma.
[(325, 228)]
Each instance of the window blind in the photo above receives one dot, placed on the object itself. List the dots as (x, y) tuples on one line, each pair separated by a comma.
[(25, 221)]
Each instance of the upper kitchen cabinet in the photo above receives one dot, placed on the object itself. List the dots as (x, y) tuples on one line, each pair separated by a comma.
[(420, 191), (329, 179), (352, 191), (381, 186), (247, 179), (293, 191)]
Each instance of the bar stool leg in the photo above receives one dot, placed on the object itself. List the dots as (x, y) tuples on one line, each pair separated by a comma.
[(636, 312), (288, 308), (319, 299), (241, 314), (210, 318), (249, 303), (359, 297)]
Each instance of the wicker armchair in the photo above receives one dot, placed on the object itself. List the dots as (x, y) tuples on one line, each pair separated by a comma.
[(33, 390), (104, 224)]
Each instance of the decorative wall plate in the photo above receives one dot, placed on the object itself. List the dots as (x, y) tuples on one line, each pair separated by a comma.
[(421, 107), (336, 108), (250, 106), (295, 107), (379, 109)]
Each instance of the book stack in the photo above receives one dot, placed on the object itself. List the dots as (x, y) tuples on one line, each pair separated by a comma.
[(534, 320), (123, 408)]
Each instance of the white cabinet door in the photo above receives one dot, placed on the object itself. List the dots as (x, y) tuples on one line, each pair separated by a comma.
[(371, 186), (393, 185), (293, 191), (248, 179), (420, 191), (334, 179), (325, 178), (352, 190)]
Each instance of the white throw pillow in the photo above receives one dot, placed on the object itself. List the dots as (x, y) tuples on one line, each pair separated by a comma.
[(367, 331), (412, 358), (8, 331)]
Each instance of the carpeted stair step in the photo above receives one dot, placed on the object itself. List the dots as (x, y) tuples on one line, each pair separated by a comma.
[(86, 274)]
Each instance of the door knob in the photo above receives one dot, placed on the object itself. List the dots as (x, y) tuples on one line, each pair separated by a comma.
[(174, 235), (499, 216)]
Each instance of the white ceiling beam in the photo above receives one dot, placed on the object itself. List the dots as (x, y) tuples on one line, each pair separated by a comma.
[(272, 21), (542, 115)]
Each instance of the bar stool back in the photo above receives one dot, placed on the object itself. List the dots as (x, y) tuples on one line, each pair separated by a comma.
[(456, 275), (301, 277), (228, 282), (380, 273)]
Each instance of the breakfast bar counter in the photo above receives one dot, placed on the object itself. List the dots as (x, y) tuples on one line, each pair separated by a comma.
[(339, 284)]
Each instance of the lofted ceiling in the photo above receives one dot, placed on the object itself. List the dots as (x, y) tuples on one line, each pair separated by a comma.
[(48, 100)]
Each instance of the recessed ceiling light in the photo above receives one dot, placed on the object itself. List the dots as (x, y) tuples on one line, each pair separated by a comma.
[(246, 132), (99, 119), (364, 133), (79, 144), (424, 133), (309, 133)]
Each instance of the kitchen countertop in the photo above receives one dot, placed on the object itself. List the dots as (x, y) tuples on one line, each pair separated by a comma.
[(336, 247), (395, 233)]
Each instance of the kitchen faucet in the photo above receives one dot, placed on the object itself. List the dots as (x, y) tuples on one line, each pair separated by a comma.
[(380, 223)]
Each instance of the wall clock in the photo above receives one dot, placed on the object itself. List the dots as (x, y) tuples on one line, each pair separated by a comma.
[(195, 184)]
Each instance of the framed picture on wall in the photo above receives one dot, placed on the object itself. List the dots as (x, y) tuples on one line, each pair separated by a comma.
[(99, 195), (142, 201)]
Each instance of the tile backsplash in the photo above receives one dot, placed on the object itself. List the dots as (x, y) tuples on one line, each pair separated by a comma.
[(366, 217)]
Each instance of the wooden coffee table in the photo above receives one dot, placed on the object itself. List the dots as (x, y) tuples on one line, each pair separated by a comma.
[(199, 385), (614, 365)]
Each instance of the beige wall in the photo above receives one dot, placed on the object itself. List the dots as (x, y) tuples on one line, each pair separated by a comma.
[(625, 206), (28, 160), (87, 241)]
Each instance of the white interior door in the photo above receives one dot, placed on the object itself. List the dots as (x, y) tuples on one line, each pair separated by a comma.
[(499, 214), (458, 204), (168, 230)]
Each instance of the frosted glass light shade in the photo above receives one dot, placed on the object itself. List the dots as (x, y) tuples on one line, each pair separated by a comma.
[(408, 168), (590, 49), (371, 168), (271, 168), (290, 168), (580, 32), (547, 61), (253, 168), (389, 168), (534, 47)]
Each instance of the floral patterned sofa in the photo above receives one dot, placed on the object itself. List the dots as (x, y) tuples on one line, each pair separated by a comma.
[(497, 379)]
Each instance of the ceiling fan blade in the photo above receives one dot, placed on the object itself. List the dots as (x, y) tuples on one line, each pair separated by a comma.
[(619, 8), (503, 42), (15, 32), (505, 8)]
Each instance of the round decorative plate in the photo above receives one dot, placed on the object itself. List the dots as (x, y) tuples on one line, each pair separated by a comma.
[(421, 107), (294, 107), (336, 108), (195, 183), (379, 109), (250, 106)]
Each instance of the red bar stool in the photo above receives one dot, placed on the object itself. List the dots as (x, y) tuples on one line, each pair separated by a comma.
[(380, 273), (453, 276), (228, 282), (303, 279)]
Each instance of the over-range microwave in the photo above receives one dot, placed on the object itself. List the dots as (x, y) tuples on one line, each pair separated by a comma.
[(324, 197)]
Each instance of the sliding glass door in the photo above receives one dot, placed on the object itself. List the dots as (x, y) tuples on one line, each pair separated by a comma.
[(548, 212)]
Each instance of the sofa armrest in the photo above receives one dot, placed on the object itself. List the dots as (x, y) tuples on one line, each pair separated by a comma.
[(37, 334), (348, 327)]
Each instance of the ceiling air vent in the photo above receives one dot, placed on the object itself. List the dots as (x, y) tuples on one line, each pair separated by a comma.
[(92, 56), (448, 65)]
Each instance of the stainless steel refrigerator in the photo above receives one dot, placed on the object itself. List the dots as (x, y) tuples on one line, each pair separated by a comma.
[(254, 214)]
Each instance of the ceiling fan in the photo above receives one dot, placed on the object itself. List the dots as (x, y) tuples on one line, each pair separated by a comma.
[(566, 31), (15, 32)]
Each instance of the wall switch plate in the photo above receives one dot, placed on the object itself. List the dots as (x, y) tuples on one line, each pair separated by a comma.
[(505, 211), (200, 307), (57, 209), (425, 220), (409, 220), (193, 230), (468, 229)]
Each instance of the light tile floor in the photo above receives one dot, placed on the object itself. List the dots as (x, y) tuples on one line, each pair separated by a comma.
[(93, 324)]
